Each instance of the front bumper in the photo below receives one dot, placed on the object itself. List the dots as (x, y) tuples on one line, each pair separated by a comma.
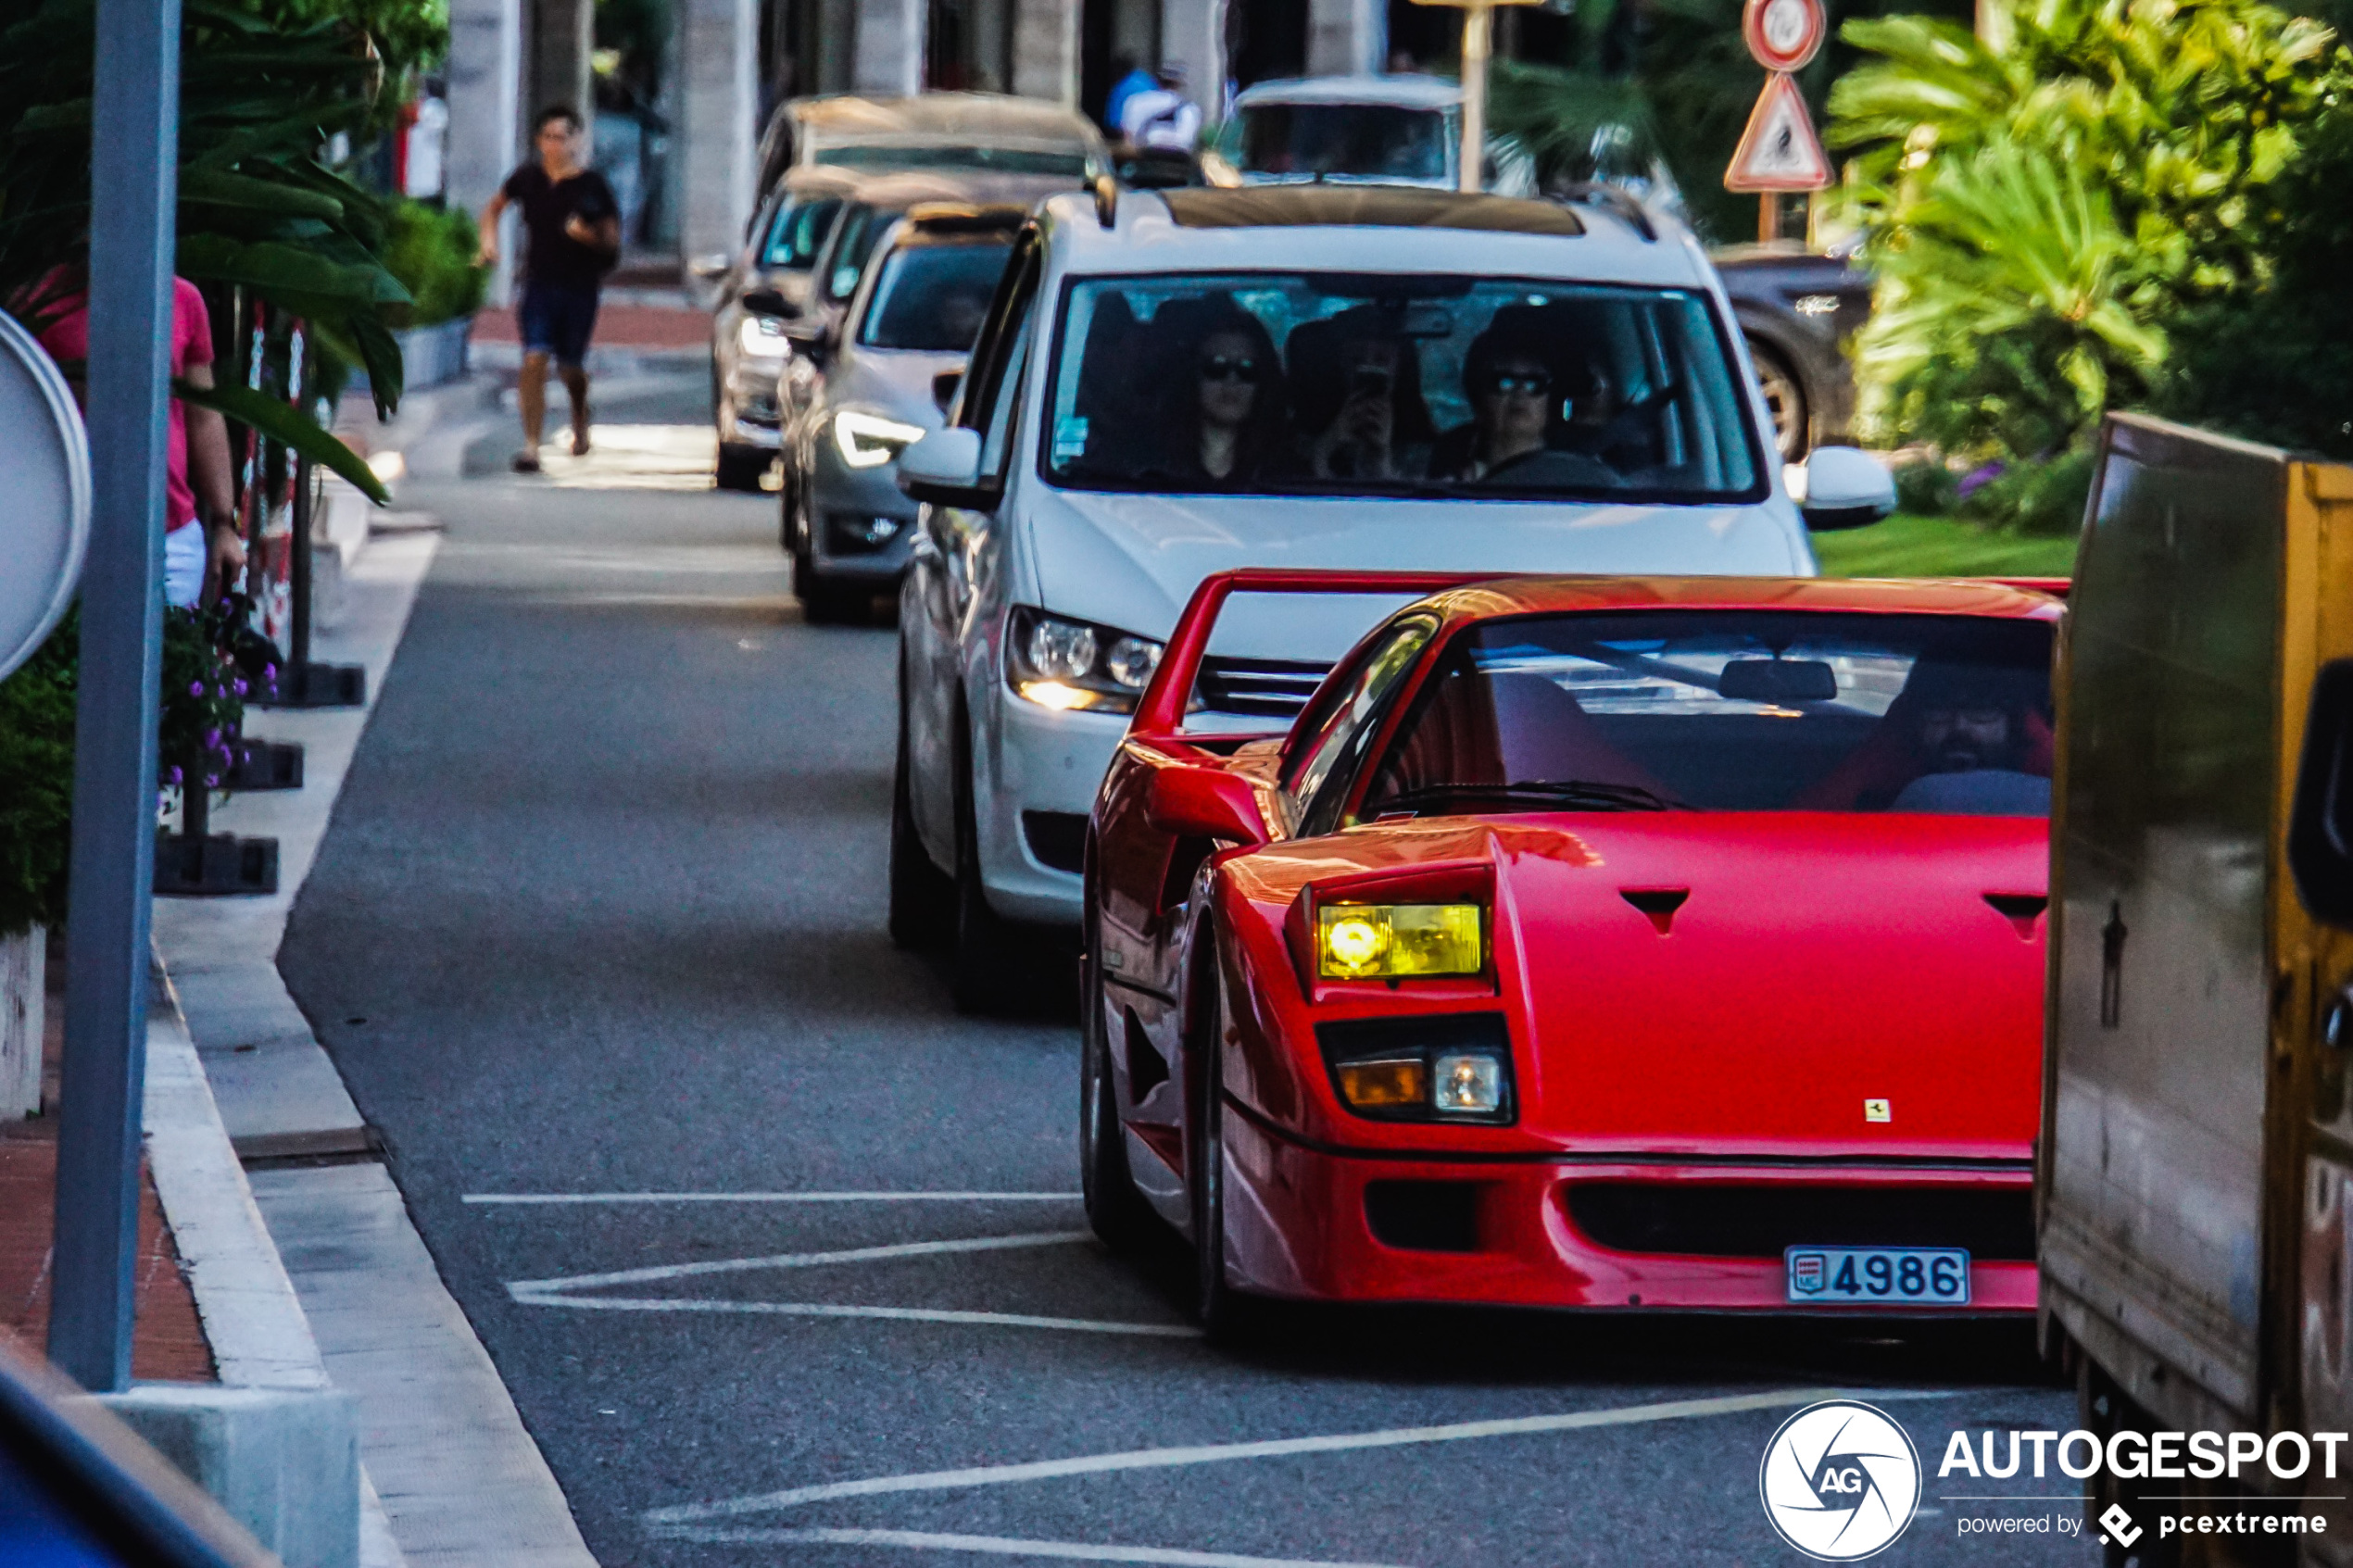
[(747, 412), (1048, 763), (862, 526), (1299, 1225)]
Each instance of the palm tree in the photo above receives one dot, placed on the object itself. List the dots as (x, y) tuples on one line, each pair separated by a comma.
[(259, 211)]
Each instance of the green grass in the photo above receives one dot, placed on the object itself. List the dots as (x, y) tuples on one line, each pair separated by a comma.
[(1910, 545)]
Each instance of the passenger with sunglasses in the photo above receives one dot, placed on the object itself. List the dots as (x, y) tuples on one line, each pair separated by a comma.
[(1225, 383)]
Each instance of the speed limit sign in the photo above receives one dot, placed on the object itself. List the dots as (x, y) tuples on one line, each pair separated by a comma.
[(1784, 34)]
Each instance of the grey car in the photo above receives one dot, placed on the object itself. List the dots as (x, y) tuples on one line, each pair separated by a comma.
[(769, 284), (908, 328)]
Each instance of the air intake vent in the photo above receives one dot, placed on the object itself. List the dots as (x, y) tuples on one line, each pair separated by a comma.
[(1272, 689), (1733, 1221)]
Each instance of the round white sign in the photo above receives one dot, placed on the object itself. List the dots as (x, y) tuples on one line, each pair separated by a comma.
[(45, 493), (1784, 34)]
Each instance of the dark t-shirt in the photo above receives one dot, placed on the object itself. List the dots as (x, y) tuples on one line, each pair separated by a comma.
[(554, 256)]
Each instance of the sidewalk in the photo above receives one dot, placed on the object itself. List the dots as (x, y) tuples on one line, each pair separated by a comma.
[(328, 1251)]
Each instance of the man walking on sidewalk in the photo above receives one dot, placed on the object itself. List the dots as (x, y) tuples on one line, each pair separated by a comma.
[(573, 227)]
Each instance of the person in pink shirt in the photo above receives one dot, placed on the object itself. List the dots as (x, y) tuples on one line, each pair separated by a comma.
[(201, 550)]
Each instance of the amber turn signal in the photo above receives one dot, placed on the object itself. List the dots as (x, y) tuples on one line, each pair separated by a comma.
[(1384, 1085)]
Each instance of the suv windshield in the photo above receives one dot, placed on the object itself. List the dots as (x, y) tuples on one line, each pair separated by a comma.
[(992, 160), (798, 233), (933, 297), (1374, 140), (1344, 385), (1735, 711)]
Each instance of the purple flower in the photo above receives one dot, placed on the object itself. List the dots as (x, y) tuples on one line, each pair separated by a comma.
[(175, 775), (1979, 478), (195, 688), (212, 740), (212, 781), (241, 688)]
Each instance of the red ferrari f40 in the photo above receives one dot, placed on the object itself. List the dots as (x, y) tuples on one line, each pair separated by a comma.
[(1656, 942)]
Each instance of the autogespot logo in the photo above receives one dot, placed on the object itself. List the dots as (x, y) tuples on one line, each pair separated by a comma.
[(1840, 1480)]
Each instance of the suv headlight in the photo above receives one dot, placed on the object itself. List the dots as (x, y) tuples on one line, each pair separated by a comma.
[(1062, 663), (762, 336), (868, 441)]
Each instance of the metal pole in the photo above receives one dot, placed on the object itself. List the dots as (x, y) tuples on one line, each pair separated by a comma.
[(133, 184), (299, 641), (1478, 26)]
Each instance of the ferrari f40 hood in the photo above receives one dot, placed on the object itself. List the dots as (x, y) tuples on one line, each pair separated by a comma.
[(1776, 985)]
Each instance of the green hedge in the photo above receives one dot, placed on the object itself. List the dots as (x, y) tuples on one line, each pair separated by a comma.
[(431, 250)]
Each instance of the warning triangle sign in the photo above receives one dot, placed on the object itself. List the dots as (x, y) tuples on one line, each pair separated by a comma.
[(1779, 151)]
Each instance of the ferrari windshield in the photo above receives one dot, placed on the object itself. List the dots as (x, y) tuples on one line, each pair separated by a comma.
[(1735, 711), (1388, 385)]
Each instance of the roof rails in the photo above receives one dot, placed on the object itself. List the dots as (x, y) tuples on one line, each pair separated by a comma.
[(1616, 201)]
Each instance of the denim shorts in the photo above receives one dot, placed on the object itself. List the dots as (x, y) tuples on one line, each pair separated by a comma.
[(556, 320)]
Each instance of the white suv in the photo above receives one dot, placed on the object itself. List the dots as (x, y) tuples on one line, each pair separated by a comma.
[(1175, 382)]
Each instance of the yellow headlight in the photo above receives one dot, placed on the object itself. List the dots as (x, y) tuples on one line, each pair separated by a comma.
[(1378, 941)]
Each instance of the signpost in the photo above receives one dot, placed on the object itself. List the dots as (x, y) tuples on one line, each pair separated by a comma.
[(134, 180), (1479, 37), (1779, 151)]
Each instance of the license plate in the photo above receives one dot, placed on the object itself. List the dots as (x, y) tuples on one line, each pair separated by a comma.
[(1931, 1276)]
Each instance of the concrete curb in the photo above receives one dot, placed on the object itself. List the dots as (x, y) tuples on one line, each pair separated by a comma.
[(273, 1443), (354, 1301)]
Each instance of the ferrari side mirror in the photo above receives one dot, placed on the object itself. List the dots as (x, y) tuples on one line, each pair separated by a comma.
[(1190, 802)]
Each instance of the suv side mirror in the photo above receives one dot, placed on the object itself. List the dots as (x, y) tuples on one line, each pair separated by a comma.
[(943, 468), (1845, 488), (1190, 802), (2319, 823)]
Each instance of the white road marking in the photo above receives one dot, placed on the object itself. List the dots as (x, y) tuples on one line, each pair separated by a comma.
[(832, 1309), (794, 1261), (925, 1540), (529, 1198), (1218, 1453), (563, 1292)]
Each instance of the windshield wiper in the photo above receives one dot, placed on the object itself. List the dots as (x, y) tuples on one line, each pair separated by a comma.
[(1581, 794)]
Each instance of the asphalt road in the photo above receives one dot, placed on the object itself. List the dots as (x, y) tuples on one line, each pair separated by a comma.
[(601, 913)]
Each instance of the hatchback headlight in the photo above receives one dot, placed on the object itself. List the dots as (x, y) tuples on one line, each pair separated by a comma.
[(868, 441), (1058, 662), (1392, 941)]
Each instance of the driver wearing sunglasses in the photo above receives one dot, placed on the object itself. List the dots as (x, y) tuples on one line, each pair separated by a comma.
[(1510, 390)]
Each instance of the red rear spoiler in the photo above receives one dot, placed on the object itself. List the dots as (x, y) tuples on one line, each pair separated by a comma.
[(1163, 710), (2054, 586)]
